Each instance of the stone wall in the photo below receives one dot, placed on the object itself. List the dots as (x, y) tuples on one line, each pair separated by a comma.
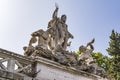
[(50, 70)]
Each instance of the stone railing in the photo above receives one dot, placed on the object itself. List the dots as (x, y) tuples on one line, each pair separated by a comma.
[(12, 65)]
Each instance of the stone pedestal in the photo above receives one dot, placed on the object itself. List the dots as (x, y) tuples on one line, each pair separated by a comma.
[(50, 70)]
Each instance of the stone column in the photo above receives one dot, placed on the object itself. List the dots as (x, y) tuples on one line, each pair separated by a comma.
[(11, 65)]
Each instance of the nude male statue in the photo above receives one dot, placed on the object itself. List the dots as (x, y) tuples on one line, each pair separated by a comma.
[(86, 53), (57, 28), (64, 33)]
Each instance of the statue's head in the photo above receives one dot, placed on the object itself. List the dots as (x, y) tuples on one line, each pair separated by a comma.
[(82, 48), (63, 18)]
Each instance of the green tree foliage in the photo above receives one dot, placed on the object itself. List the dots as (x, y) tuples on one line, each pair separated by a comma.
[(114, 51), (103, 61)]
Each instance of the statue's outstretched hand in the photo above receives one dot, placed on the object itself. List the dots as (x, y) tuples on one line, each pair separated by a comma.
[(56, 5), (91, 42)]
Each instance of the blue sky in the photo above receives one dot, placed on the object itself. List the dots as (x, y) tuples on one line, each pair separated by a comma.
[(86, 19)]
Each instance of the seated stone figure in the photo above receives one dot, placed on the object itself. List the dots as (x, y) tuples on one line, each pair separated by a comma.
[(86, 53)]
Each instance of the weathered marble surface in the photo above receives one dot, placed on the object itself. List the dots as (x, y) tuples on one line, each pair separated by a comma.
[(50, 70)]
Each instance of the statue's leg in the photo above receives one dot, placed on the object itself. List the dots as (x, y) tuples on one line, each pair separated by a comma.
[(64, 44)]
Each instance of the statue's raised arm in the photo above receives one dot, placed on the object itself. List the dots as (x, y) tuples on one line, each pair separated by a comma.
[(90, 44), (55, 12)]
